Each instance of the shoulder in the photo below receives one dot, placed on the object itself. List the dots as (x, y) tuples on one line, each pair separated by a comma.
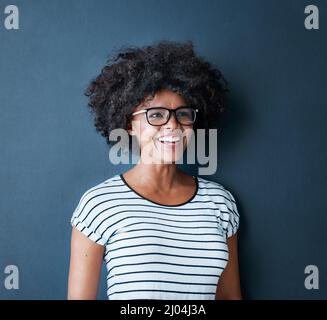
[(95, 189), (93, 209), (224, 203), (113, 183), (214, 188), (93, 199)]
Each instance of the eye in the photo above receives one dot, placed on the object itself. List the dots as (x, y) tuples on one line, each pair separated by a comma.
[(155, 115), (184, 113)]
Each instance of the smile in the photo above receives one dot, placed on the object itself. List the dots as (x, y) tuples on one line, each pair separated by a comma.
[(169, 141)]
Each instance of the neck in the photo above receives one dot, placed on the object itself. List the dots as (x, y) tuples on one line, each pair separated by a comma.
[(157, 176)]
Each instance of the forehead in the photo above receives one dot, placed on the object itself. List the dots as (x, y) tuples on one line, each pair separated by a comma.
[(163, 98)]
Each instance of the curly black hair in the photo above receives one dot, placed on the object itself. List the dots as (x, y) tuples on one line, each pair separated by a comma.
[(134, 73)]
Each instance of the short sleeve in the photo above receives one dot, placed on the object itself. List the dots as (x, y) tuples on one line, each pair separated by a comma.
[(84, 219), (234, 218)]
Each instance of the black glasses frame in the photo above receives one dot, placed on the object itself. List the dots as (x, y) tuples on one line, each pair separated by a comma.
[(170, 112)]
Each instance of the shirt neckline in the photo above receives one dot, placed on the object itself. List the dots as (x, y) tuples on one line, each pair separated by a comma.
[(160, 204)]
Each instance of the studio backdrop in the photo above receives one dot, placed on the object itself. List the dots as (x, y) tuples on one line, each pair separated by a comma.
[(271, 147)]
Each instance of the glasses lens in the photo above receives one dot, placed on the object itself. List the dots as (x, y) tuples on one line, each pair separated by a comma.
[(157, 116), (186, 116)]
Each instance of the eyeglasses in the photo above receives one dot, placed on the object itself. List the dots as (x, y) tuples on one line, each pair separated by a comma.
[(158, 116)]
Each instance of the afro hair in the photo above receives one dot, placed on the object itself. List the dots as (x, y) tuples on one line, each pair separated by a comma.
[(134, 73)]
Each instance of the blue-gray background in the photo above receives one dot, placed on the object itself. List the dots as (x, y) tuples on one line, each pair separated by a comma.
[(272, 149)]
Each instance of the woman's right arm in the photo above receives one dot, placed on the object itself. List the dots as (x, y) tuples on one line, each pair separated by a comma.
[(85, 267)]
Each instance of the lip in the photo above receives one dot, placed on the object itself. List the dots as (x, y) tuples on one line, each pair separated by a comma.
[(169, 135), (168, 143)]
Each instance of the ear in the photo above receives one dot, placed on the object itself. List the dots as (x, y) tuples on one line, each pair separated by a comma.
[(130, 128)]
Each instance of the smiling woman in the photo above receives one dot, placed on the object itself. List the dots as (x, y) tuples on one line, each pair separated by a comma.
[(162, 233)]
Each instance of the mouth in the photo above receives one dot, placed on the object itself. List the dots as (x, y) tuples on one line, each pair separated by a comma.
[(169, 140)]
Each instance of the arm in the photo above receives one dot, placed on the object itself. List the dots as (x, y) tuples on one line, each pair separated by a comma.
[(229, 283), (85, 267)]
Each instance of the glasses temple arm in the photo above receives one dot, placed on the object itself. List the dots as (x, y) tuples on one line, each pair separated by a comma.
[(142, 111), (138, 112)]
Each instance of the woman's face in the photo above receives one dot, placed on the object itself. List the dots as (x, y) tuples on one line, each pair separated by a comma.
[(153, 139)]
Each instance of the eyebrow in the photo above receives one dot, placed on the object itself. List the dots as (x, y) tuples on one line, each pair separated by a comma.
[(143, 110), (183, 105)]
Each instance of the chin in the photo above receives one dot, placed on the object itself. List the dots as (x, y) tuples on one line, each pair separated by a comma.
[(168, 158), (162, 154)]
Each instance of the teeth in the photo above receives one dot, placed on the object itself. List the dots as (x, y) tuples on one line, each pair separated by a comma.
[(169, 139)]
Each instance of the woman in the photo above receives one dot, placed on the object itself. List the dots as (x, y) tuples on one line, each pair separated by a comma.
[(162, 233)]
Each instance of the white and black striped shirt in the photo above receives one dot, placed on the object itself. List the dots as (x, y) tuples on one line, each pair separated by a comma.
[(154, 251)]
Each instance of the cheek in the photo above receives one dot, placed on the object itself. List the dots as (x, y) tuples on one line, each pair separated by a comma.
[(146, 134)]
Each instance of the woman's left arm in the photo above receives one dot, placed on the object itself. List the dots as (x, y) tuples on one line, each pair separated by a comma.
[(229, 287)]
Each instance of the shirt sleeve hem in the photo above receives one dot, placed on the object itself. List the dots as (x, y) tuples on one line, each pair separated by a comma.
[(81, 226)]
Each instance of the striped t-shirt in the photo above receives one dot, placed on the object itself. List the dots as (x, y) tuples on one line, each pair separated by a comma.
[(154, 251)]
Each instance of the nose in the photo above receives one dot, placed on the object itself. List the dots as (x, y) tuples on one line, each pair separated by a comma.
[(172, 121)]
